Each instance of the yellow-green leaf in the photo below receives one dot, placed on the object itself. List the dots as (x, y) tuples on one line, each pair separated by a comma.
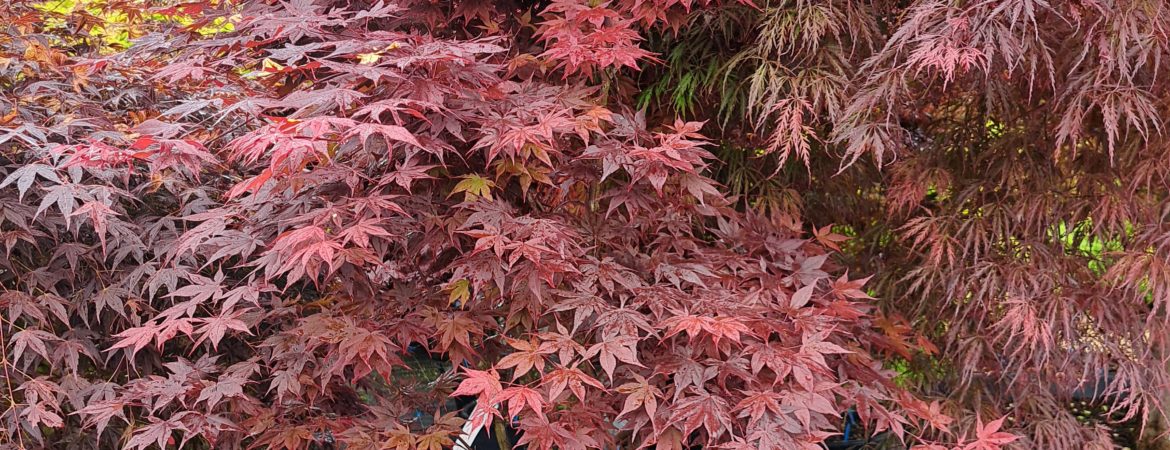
[(460, 292), (369, 59), (474, 186)]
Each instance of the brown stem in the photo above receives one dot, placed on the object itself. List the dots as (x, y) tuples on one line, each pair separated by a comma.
[(502, 436)]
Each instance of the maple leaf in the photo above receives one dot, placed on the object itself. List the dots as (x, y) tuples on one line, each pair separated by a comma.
[(391, 133), (140, 337), (718, 327), (934, 416), (98, 415), (813, 345), (612, 350), (640, 394), (202, 290), (435, 440), (988, 436), (474, 186), (214, 328), (526, 357), (37, 414), (458, 328), (224, 388), (32, 339), (930, 446), (574, 379), (304, 250), (64, 196), (756, 403), (704, 410), (485, 385), (400, 438), (289, 437), (359, 234), (26, 175), (368, 158), (99, 216), (251, 185), (408, 172), (540, 433), (801, 297), (488, 238), (157, 432), (460, 292), (518, 398), (561, 344), (367, 349)]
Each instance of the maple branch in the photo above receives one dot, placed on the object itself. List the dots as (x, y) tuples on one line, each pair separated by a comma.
[(8, 381), (501, 435)]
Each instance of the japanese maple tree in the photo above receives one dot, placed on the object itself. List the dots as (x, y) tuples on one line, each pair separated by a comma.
[(237, 227)]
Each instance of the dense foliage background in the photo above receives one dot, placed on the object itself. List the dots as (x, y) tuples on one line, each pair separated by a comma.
[(656, 223)]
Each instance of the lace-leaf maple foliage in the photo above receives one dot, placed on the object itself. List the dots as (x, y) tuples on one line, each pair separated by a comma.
[(233, 230), (1018, 216)]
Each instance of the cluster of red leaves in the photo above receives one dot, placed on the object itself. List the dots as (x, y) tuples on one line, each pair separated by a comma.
[(232, 239)]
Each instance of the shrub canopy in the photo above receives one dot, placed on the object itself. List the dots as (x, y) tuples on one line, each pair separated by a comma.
[(240, 223)]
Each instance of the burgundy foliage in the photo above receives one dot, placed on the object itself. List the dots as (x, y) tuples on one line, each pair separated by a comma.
[(1002, 166), (233, 239)]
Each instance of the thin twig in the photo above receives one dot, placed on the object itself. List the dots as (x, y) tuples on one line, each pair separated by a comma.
[(8, 380)]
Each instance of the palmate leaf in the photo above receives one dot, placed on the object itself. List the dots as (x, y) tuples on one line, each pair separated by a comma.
[(213, 329), (389, 133), (474, 186), (159, 432), (26, 175)]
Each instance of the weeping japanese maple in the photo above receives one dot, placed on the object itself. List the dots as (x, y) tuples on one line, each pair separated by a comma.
[(1018, 214)]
